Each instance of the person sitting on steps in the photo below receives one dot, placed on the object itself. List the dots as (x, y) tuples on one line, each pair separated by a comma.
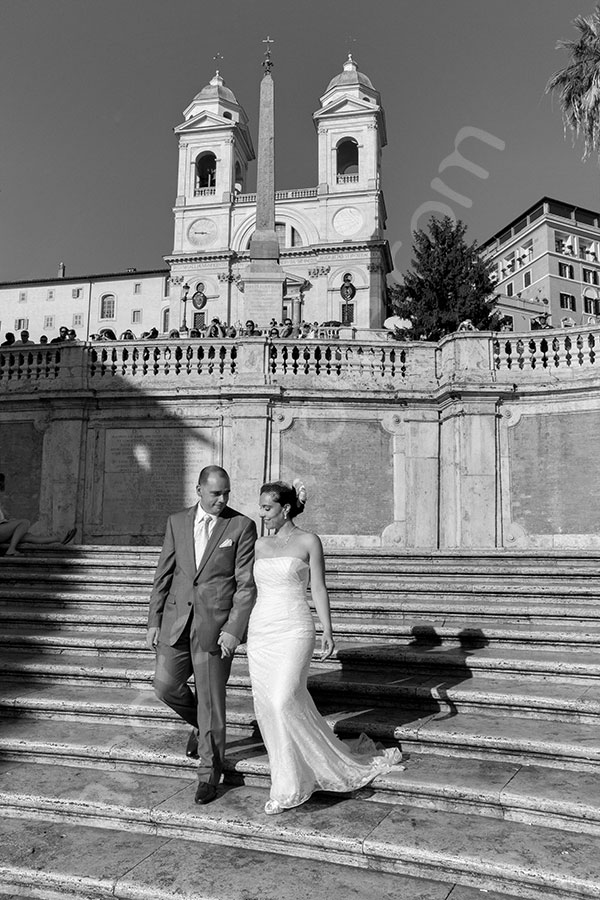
[(16, 531)]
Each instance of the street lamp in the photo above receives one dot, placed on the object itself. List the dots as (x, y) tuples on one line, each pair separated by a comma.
[(184, 296)]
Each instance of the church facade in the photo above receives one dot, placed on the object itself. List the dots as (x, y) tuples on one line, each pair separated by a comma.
[(333, 253)]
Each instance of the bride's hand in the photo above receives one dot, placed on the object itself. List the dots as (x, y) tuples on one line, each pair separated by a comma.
[(327, 645)]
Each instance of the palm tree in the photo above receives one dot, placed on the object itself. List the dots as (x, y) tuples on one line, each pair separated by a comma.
[(578, 84)]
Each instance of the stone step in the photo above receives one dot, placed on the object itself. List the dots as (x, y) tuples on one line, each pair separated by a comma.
[(563, 744), (360, 583), (89, 655), (425, 626), (515, 792), (57, 859), (418, 611), (446, 848), (366, 559)]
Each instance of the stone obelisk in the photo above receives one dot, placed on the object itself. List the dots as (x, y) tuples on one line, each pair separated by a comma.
[(264, 278)]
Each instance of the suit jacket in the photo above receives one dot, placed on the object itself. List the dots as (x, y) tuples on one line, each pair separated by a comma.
[(220, 589)]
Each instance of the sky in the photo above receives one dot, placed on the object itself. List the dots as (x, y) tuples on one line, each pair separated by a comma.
[(92, 89)]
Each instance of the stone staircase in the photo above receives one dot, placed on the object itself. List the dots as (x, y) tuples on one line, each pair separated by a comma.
[(484, 666)]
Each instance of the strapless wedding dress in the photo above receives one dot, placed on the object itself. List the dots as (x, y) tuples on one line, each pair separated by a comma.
[(304, 753)]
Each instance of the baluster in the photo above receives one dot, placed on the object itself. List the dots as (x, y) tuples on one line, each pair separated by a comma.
[(591, 345), (579, 344), (234, 353), (532, 347), (568, 345), (296, 359), (556, 351)]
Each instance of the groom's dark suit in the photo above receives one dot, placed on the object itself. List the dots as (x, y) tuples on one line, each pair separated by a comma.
[(192, 604)]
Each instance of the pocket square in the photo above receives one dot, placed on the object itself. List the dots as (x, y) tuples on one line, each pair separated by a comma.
[(227, 543)]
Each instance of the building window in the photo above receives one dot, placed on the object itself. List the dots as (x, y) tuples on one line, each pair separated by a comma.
[(590, 276), (165, 320), (21, 324), (107, 306), (526, 279), (77, 293), (78, 320), (567, 301), (510, 289), (167, 287), (48, 323), (566, 270), (50, 295), (347, 160), (347, 313), (199, 320), (205, 174), (136, 316), (22, 296), (137, 287)]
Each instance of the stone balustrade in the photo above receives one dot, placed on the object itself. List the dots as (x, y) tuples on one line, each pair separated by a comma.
[(327, 362)]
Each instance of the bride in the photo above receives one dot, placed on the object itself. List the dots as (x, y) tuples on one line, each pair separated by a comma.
[(304, 753)]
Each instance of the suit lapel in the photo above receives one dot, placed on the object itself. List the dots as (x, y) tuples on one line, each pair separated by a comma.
[(188, 537), (213, 541)]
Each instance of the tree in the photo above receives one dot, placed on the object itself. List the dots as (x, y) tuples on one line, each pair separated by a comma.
[(449, 283), (578, 84)]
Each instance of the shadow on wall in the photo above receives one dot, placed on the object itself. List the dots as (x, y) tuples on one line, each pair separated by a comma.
[(115, 460)]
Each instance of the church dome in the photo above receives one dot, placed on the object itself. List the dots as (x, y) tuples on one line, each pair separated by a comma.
[(216, 90), (350, 76)]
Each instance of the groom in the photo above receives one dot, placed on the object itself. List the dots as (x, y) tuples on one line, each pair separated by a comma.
[(200, 604)]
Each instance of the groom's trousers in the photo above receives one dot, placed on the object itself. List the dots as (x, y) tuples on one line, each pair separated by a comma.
[(203, 709)]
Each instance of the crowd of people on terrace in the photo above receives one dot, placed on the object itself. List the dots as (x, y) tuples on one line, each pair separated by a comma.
[(214, 329)]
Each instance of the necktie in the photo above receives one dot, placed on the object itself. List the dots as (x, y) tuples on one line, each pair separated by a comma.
[(201, 535)]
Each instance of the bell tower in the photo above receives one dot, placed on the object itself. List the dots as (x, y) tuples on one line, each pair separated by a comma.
[(215, 149), (351, 134)]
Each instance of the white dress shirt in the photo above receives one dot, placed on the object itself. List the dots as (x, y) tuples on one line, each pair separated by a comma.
[(203, 525)]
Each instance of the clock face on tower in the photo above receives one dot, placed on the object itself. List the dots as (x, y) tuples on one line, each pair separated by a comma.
[(347, 221), (202, 232)]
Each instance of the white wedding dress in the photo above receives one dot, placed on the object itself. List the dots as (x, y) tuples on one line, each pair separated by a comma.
[(304, 753)]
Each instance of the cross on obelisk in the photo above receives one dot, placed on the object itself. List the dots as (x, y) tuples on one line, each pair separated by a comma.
[(268, 62)]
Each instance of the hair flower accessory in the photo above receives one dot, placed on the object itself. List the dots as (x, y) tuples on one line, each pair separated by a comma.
[(300, 491)]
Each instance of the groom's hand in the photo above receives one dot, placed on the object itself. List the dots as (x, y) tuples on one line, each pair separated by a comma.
[(152, 638), (228, 643)]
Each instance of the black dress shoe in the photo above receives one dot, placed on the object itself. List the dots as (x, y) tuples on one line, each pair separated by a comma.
[(205, 792), (191, 749)]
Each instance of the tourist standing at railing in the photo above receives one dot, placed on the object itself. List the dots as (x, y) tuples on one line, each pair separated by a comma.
[(9, 340), (25, 341), (63, 333)]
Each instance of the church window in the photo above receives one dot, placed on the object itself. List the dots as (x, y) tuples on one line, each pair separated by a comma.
[(48, 323), (167, 292), (199, 320), (166, 315), (296, 239), (227, 115), (136, 316), (107, 306), (280, 232), (347, 313), (206, 174), (347, 160), (287, 236)]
